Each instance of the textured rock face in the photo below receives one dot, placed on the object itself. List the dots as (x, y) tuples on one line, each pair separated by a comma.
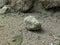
[(3, 2), (32, 23), (26, 5), (4, 9), (22, 5), (50, 3), (45, 4)]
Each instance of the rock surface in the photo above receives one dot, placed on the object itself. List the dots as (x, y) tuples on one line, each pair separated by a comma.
[(45, 4), (32, 23), (21, 5), (4, 9), (27, 5), (3, 2)]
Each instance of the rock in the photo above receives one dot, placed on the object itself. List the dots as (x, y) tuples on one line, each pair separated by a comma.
[(50, 3), (4, 9), (22, 5), (32, 23), (3, 2), (45, 4), (37, 6)]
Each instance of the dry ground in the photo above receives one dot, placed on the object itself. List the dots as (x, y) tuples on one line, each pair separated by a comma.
[(11, 25)]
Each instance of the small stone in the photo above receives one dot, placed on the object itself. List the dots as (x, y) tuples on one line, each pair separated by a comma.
[(3, 9), (32, 23), (51, 44), (46, 4)]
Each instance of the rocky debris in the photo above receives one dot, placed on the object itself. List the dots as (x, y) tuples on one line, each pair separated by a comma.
[(4, 9), (22, 5), (30, 5), (34, 5), (32, 23)]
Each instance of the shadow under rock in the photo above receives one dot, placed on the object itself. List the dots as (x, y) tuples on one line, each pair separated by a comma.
[(54, 9), (40, 31)]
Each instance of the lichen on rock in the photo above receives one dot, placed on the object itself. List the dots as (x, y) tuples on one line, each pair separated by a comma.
[(32, 23)]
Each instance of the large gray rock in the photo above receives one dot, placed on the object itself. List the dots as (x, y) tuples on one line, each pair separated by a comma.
[(50, 3), (26, 5), (45, 4), (32, 23), (21, 5)]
